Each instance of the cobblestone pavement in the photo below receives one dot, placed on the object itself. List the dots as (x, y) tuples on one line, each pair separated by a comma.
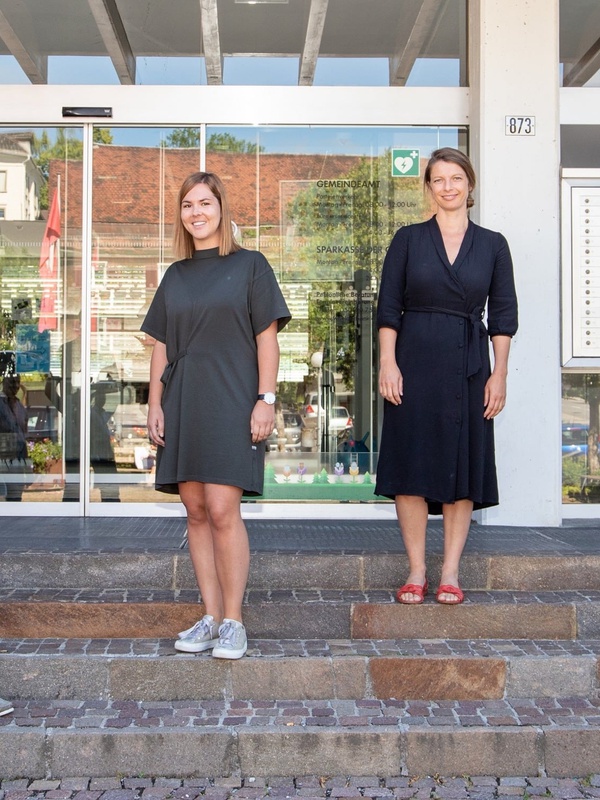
[(304, 788), (289, 596), (310, 648), (355, 714)]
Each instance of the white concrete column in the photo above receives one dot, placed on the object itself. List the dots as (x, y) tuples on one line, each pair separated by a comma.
[(514, 71)]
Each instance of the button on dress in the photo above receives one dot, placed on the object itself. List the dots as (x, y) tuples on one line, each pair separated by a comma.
[(437, 444), (208, 310)]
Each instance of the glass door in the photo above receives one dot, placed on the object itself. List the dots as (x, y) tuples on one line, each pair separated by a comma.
[(136, 176), (322, 204), (41, 357)]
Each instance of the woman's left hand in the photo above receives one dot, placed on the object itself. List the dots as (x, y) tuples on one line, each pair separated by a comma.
[(262, 421), (494, 396)]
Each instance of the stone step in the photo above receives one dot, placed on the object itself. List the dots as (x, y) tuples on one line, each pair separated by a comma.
[(280, 570), (300, 670), (301, 614), (57, 739)]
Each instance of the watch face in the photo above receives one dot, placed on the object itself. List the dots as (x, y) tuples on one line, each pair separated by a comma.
[(269, 398)]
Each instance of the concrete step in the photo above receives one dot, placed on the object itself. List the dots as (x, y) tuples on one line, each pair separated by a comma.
[(301, 614), (57, 739), (280, 570), (300, 670)]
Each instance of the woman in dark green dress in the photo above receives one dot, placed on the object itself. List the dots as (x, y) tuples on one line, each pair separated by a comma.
[(213, 374), (437, 445)]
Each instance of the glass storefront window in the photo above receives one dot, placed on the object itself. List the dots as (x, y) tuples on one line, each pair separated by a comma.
[(581, 437), (579, 34), (41, 363), (322, 204)]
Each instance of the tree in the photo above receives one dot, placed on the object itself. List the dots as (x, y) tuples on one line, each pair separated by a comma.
[(587, 386), (226, 142), (342, 228), (66, 146)]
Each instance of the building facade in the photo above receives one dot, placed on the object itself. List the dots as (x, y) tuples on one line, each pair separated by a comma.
[(323, 160)]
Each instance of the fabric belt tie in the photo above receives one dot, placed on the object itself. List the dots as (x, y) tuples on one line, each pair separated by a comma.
[(476, 329), (169, 368)]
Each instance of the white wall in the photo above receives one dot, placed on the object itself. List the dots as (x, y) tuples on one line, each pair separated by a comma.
[(514, 71)]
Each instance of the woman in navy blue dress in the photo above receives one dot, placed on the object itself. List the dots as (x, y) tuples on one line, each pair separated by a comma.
[(440, 390)]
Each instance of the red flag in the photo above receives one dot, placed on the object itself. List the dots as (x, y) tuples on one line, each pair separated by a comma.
[(49, 261)]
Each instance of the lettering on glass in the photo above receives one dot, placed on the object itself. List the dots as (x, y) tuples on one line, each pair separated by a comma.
[(585, 259), (519, 126)]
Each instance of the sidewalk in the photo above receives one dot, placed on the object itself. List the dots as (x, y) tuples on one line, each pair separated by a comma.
[(305, 787), (160, 534)]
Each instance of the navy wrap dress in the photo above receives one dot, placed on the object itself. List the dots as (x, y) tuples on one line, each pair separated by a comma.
[(437, 444), (208, 310)]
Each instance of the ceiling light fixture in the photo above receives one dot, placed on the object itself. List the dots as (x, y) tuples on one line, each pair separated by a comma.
[(259, 2)]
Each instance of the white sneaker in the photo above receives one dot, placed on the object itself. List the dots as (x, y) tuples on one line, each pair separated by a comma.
[(201, 636), (232, 640)]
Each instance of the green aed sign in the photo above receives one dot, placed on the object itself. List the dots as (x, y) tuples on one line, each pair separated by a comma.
[(405, 163)]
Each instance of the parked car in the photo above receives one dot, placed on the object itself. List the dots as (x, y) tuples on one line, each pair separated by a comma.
[(574, 440), (293, 432), (311, 406), (339, 418)]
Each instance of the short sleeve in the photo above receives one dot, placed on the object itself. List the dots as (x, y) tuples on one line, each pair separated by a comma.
[(390, 303), (266, 300), (155, 321)]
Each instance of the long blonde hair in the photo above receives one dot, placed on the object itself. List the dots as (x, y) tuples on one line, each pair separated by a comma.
[(183, 242)]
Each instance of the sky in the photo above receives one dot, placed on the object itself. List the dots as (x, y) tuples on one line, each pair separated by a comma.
[(238, 71)]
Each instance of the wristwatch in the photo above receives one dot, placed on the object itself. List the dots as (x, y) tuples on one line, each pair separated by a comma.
[(268, 397)]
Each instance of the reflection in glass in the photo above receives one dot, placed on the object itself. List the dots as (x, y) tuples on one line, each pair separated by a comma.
[(135, 191), (579, 35), (322, 204), (580, 437), (40, 296)]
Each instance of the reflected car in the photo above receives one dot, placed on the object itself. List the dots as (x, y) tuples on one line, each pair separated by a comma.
[(340, 419), (42, 423), (311, 406), (574, 440), (293, 432)]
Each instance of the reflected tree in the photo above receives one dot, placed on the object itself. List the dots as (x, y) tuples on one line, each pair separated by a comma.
[(587, 386)]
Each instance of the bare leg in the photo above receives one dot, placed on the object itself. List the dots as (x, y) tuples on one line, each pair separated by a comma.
[(230, 544), (412, 515), (457, 520), (200, 542), (218, 544)]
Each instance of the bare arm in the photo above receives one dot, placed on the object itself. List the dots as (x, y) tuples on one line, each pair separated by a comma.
[(390, 377), (156, 419), (262, 420), (494, 397)]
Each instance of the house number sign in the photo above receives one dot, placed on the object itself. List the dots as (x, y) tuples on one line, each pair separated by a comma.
[(519, 126)]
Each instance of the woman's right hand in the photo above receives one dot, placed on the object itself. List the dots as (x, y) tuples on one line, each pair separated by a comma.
[(390, 383), (156, 425)]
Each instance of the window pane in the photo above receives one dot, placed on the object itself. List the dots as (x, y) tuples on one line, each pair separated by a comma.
[(40, 327), (580, 437), (579, 35), (322, 204)]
